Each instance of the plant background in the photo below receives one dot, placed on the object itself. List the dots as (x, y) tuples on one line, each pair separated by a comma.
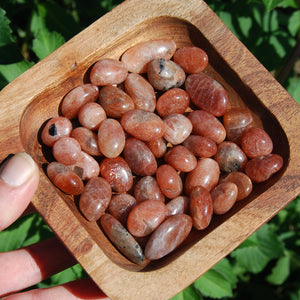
[(267, 265)]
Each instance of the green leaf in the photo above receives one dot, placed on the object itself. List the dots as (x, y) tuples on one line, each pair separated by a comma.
[(251, 258), (294, 89), (213, 284), (13, 237), (271, 4), (269, 242), (5, 30), (280, 272), (224, 268), (46, 42), (11, 71), (294, 23), (190, 293)]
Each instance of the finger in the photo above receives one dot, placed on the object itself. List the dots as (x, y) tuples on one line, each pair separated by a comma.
[(27, 266), (80, 289), (19, 179)]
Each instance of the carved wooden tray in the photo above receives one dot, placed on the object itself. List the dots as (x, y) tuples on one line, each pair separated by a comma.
[(34, 97)]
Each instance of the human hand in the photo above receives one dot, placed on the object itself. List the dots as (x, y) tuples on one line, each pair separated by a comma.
[(27, 266)]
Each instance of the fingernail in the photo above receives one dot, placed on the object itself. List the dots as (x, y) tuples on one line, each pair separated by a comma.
[(18, 169)]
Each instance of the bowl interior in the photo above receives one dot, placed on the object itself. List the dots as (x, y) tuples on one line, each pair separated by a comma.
[(46, 105)]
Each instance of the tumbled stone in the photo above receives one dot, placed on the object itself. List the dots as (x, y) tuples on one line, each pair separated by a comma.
[(95, 198), (191, 59), (141, 92), (236, 121), (87, 139), (147, 188), (54, 129), (181, 159), (108, 71), (173, 101), (169, 181), (207, 94), (145, 217), (66, 150), (143, 125), (76, 98), (164, 74), (120, 206), (177, 128), (207, 125), (111, 138), (261, 168), (115, 101), (64, 178), (256, 142), (201, 207), (230, 157), (137, 58), (168, 236), (122, 239), (200, 146), (177, 206), (139, 157), (205, 174), (117, 173), (91, 115), (158, 147), (242, 181), (224, 196)]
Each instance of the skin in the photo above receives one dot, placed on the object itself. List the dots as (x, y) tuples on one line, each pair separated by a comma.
[(27, 266)]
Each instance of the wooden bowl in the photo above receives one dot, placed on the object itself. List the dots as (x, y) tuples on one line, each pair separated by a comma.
[(34, 97)]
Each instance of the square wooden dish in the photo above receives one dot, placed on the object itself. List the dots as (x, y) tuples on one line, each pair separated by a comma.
[(34, 97)]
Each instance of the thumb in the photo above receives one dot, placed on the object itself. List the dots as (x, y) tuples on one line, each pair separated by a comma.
[(19, 178)]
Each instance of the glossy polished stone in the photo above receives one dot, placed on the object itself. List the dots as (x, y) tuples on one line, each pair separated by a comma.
[(117, 173), (147, 188), (111, 138), (207, 94), (230, 157), (122, 239), (224, 196), (181, 159), (201, 207), (76, 98), (108, 72), (95, 198), (145, 217), (87, 139), (54, 129), (256, 142), (164, 74), (115, 101), (260, 169), (242, 181), (177, 206), (169, 181), (143, 125), (137, 58), (120, 206), (140, 91), (168, 236), (173, 101), (177, 128), (205, 174), (207, 125), (200, 146), (139, 157), (64, 178), (191, 59)]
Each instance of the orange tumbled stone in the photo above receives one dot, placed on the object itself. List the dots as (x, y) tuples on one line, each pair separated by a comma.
[(191, 59)]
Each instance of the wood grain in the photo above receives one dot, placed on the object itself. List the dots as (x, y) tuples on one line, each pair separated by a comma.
[(34, 97)]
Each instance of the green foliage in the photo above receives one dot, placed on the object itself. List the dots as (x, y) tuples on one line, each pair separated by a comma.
[(266, 265)]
